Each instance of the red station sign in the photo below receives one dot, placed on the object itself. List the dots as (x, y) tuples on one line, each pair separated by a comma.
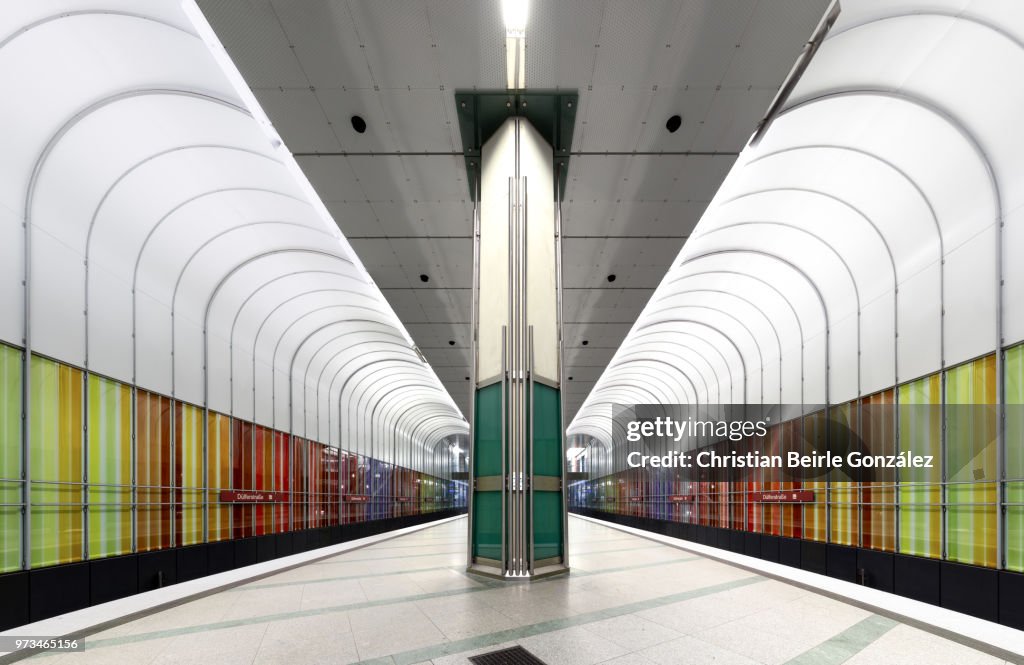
[(252, 496), (680, 498), (357, 498), (784, 496)]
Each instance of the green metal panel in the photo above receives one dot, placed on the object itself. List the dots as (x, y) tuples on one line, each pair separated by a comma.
[(487, 462), (487, 432), (482, 112), (487, 525), (547, 461), (547, 426), (547, 525)]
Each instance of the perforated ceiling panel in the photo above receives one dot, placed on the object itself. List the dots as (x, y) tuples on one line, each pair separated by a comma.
[(397, 63)]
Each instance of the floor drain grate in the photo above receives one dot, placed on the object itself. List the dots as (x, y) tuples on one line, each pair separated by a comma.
[(511, 656)]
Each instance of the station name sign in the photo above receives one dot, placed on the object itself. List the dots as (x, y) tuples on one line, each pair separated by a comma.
[(251, 496), (800, 496)]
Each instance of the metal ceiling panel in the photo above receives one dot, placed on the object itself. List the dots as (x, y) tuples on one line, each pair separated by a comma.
[(298, 115), (716, 63)]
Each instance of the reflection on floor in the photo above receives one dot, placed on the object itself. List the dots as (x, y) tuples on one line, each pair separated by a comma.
[(408, 600)]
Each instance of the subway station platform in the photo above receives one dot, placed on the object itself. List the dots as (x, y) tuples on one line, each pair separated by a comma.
[(627, 601)]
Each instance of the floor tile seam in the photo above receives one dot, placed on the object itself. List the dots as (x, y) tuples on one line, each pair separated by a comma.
[(323, 580), (259, 646), (271, 618), (1007, 650), (539, 628), (230, 623), (381, 558), (846, 643), (296, 614)]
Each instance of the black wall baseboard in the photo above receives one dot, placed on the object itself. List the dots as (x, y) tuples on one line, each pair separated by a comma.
[(34, 595), (985, 593)]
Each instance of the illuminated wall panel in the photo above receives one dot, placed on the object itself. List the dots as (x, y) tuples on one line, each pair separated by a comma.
[(10, 458), (263, 443), (878, 492), (920, 491), (815, 433), (109, 467), (242, 475), (1014, 369), (56, 450), (844, 494), (282, 480), (971, 462), (188, 474), (153, 470), (218, 463)]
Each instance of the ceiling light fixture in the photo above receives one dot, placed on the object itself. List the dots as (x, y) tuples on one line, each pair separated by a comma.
[(515, 13)]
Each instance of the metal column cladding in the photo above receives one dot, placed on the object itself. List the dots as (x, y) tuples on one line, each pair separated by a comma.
[(517, 525)]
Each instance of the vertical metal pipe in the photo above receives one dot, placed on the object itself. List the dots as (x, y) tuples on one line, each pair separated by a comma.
[(530, 513), (84, 438), (174, 445), (526, 500), (26, 402), (561, 367), (504, 447), (510, 368), (473, 370), (134, 456)]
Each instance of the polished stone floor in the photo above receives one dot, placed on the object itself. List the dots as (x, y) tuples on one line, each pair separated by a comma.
[(628, 601)]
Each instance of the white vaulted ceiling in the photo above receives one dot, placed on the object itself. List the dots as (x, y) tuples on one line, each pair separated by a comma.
[(867, 239), (635, 191), (157, 232)]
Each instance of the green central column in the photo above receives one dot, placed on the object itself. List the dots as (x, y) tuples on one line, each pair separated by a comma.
[(517, 510)]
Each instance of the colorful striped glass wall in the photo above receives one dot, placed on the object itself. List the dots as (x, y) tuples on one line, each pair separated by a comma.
[(116, 470), (109, 468), (1014, 437), (56, 468), (10, 459), (950, 511)]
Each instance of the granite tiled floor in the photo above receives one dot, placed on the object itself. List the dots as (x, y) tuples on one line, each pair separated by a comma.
[(628, 601)]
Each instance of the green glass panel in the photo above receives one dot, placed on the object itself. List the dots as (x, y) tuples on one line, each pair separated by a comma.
[(487, 515), (920, 492), (10, 458), (971, 456), (547, 461), (547, 525), (1014, 445), (487, 525), (487, 432), (547, 443)]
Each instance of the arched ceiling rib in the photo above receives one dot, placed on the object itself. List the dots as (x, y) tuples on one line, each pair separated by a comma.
[(209, 270), (862, 240)]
